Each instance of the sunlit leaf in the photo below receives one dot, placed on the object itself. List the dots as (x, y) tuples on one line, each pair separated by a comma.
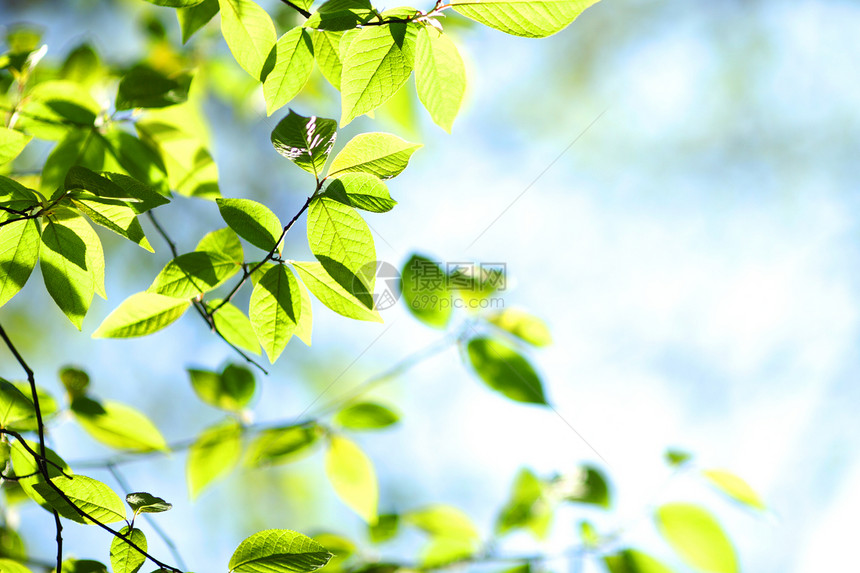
[(338, 236), (117, 425), (522, 325), (275, 308), (327, 54), (143, 86), (192, 274), (294, 62), (12, 143), (250, 35), (339, 298), (230, 390), (283, 445), (192, 18), (123, 557), (362, 191), (29, 474), (115, 215), (386, 527), (505, 370), (340, 15), (443, 521), (366, 416), (633, 561), (91, 496), (275, 550), (735, 487), (142, 502), (697, 537), (213, 455), (423, 286), (53, 107), (380, 154), (352, 475), (306, 141), (304, 327), (236, 327), (586, 485), (11, 566), (253, 221), (141, 314), (19, 251), (440, 76), (529, 18), (527, 506)]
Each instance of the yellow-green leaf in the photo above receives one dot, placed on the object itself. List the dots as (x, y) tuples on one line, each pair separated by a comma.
[(141, 314), (117, 425), (529, 18), (735, 487), (352, 475), (697, 537)]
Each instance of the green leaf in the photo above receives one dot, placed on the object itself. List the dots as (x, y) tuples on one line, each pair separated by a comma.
[(442, 551), (15, 196), (117, 425), (11, 566), (142, 502), (19, 251), (236, 327), (527, 506), (192, 274), (423, 286), (192, 18), (53, 107), (143, 86), (15, 407), (528, 18), (340, 15), (129, 155), (306, 318), (77, 148), (677, 458), (223, 242), (275, 308), (114, 215), (385, 528), (123, 557), (366, 416), (505, 370), (79, 177), (191, 171), (380, 154), (25, 465), (633, 561), (12, 143), (522, 325), (75, 381), (294, 62), (306, 141), (141, 314), (275, 550), (337, 234), (339, 298), (352, 475), (375, 64), (443, 521), (93, 497), (72, 263), (283, 445), (697, 537), (83, 566), (250, 35), (230, 390), (327, 54), (82, 66), (143, 196), (213, 455), (253, 221), (586, 485), (440, 76), (735, 487), (362, 191), (174, 3)]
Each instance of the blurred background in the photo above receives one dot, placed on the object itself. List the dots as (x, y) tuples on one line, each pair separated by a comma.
[(669, 185)]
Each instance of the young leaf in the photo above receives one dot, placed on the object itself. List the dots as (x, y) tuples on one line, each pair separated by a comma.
[(131, 156), (306, 141), (192, 274), (283, 445), (443, 521), (377, 62), (337, 233), (12, 566), (114, 215), (677, 458), (440, 76), (587, 485), (19, 251), (143, 86), (223, 242), (253, 221), (278, 550), (236, 327), (522, 325), (697, 537), (275, 308), (527, 507), (339, 15), (192, 18), (231, 390), (306, 319), (528, 18), (633, 561), (362, 191), (352, 475), (53, 107), (386, 527), (123, 557), (15, 196), (142, 502), (339, 298), (15, 408), (72, 263), (424, 291), (190, 169), (92, 496), (141, 314), (366, 416), (294, 62), (380, 154), (327, 55), (117, 425), (12, 143), (505, 370), (214, 454), (442, 551), (734, 487), (250, 35), (84, 566), (144, 197)]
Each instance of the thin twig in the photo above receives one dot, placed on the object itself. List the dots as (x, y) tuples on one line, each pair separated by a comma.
[(298, 9)]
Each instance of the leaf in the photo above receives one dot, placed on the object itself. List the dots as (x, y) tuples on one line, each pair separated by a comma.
[(505, 370), (214, 454), (192, 18), (143, 86), (376, 63), (19, 251), (334, 295), (528, 18), (25, 465), (191, 171), (114, 215), (294, 62), (82, 66), (380, 154), (117, 425), (72, 263), (366, 416), (440, 76), (15, 196), (586, 485), (283, 445), (527, 506), (11, 566), (633, 561), (443, 521), (276, 550), (174, 3), (336, 232), (52, 107), (235, 327), (142, 502), (306, 141), (352, 475), (91, 496), (253, 221), (697, 537), (327, 54), (423, 286), (129, 155), (734, 487), (522, 325), (230, 390), (442, 551), (189, 275), (250, 35), (275, 309), (141, 314), (362, 191), (223, 242), (12, 143), (340, 15), (123, 557), (677, 458), (75, 381), (306, 319), (15, 407), (145, 197), (385, 528)]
